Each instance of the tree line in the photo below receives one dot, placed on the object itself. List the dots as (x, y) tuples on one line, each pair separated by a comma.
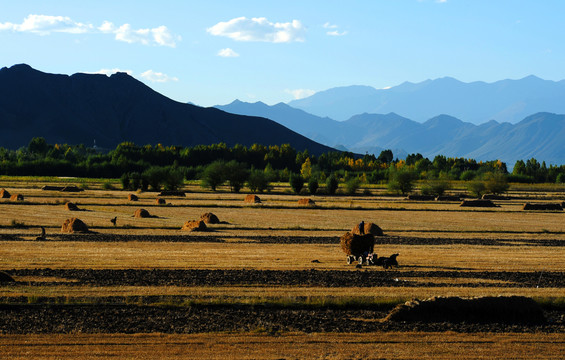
[(256, 166)]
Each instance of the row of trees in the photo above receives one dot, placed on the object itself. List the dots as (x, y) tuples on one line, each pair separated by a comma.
[(256, 166)]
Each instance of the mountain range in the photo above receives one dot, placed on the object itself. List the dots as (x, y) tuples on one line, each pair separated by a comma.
[(88, 108), (476, 102), (539, 135)]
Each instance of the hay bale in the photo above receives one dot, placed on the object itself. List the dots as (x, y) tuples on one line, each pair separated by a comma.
[(132, 197), (353, 244), (71, 206), (197, 225), (369, 228), (477, 203), (17, 197), (141, 213), (4, 194), (421, 197), (252, 199), (160, 201), (306, 202), (488, 309), (71, 188), (6, 278), (73, 225), (209, 218), (539, 206)]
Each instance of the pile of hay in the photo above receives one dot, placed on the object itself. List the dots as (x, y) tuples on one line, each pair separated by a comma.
[(4, 194), (74, 225), (209, 218), (546, 206), (421, 197), (197, 225), (6, 278), (477, 203), (172, 193), (306, 202), (141, 213), (252, 199), (71, 206), (369, 228), (488, 309), (160, 201), (353, 244), (132, 197), (17, 197), (71, 188), (448, 198)]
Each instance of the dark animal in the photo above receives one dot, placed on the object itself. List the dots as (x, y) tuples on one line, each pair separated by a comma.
[(42, 236), (113, 221), (387, 262)]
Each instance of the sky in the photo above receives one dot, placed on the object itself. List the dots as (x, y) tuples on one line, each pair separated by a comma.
[(213, 52)]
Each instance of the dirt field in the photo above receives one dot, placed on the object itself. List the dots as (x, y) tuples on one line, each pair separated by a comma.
[(271, 281)]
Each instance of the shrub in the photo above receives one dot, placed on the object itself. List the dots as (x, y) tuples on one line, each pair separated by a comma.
[(174, 179), (401, 181), (258, 181), (352, 185), (436, 187), (107, 186), (476, 188), (236, 174), (332, 184), (296, 183), (560, 179), (467, 175), (124, 179), (214, 175), (313, 186), (496, 183)]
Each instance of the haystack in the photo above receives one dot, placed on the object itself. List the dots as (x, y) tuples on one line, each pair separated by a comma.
[(197, 225), (252, 199), (539, 206), (141, 213), (6, 278), (421, 197), (369, 228), (52, 188), (172, 193), (74, 225), (448, 198), (160, 201), (477, 203), (132, 197), (209, 218), (17, 197), (501, 309), (4, 194), (353, 244), (71, 206), (306, 202)]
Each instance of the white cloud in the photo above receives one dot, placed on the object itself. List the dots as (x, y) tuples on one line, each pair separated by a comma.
[(45, 25), (300, 93), (154, 76), (336, 33), (259, 29), (227, 52), (329, 26)]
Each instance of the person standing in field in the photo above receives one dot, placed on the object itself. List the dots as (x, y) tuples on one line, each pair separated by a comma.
[(362, 227)]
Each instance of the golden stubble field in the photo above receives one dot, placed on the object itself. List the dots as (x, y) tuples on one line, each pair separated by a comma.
[(519, 243)]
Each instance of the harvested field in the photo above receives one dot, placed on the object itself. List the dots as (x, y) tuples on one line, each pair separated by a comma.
[(273, 269)]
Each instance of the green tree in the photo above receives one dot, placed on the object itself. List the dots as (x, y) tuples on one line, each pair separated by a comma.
[(385, 156), (496, 183), (296, 182), (236, 174), (174, 179), (332, 184), (124, 179), (352, 185), (258, 181), (476, 188), (313, 186), (214, 175), (401, 181), (38, 145)]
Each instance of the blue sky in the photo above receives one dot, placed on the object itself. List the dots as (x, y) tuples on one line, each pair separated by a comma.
[(212, 52)]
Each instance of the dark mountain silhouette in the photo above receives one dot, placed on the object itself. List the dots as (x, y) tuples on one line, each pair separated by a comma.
[(540, 135), (82, 108), (475, 102)]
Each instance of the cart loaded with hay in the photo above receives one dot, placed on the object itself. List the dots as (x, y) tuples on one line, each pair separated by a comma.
[(358, 248)]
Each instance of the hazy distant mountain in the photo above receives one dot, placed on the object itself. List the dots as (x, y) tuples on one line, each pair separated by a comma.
[(82, 108), (540, 135), (476, 102)]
